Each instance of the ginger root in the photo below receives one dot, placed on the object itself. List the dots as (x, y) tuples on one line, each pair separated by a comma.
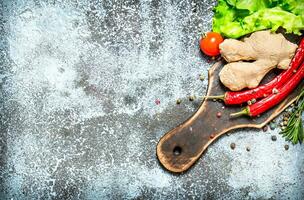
[(267, 50)]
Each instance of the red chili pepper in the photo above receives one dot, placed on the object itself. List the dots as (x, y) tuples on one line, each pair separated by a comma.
[(232, 98), (273, 99)]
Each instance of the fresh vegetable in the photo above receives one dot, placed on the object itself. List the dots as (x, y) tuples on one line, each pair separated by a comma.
[(275, 98), (236, 18), (294, 131), (231, 98), (209, 44), (267, 50)]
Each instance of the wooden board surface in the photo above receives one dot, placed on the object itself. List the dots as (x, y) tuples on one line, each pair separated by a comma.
[(178, 149)]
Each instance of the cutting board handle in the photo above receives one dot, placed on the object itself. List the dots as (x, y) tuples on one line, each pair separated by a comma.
[(183, 145), (178, 149)]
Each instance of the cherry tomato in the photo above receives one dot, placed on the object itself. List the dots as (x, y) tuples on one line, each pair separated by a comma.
[(209, 44)]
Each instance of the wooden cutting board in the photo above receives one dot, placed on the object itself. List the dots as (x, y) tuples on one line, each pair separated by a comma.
[(181, 147)]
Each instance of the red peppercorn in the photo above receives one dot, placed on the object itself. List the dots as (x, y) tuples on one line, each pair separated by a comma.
[(265, 128), (218, 114)]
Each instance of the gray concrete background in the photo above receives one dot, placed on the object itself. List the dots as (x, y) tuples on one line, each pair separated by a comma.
[(79, 80)]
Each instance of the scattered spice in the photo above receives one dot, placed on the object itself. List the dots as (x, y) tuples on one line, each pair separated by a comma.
[(218, 114), (272, 126), (265, 128), (286, 147), (202, 77), (232, 146), (157, 101), (286, 114), (191, 98), (247, 148), (178, 101), (273, 138)]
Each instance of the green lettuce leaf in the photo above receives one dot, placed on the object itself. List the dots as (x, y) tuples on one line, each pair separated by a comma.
[(236, 18), (294, 6), (251, 5)]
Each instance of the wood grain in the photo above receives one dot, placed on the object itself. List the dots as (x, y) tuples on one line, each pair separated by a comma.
[(178, 149)]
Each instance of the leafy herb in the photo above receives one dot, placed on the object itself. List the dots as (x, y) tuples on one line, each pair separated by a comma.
[(294, 131)]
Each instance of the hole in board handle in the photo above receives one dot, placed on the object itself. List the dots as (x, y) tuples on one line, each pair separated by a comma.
[(177, 151)]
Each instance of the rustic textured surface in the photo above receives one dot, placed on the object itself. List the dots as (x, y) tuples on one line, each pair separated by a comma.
[(79, 81)]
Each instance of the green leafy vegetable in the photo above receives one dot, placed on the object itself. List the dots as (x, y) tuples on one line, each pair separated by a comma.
[(294, 131), (235, 18)]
